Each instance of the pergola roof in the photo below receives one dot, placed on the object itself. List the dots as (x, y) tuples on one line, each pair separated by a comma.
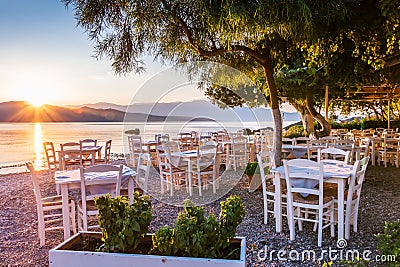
[(372, 93)]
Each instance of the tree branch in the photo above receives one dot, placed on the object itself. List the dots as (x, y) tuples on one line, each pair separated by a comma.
[(218, 51)]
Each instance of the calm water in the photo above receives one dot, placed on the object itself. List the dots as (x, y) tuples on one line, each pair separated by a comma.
[(21, 142)]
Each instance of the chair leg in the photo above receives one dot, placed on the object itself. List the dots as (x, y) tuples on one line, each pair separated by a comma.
[(80, 228), (265, 203), (72, 213), (299, 221), (171, 184), (320, 220), (162, 184), (41, 230), (332, 219), (291, 223)]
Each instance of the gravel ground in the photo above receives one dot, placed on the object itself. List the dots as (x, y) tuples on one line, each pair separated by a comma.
[(19, 242)]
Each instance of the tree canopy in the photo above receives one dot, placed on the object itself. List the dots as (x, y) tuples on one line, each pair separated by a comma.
[(255, 37)]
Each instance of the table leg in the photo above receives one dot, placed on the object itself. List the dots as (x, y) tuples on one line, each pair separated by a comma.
[(190, 177), (373, 152), (131, 188), (278, 203), (341, 208), (65, 211), (60, 161)]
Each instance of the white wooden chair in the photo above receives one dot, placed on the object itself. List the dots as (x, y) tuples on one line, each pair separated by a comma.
[(204, 170), (314, 145), (52, 163), (49, 209), (88, 142), (88, 159), (390, 150), (143, 171), (346, 145), (185, 141), (353, 194), (300, 208), (71, 155), (333, 155), (107, 154), (265, 164), (171, 174), (51, 157), (135, 149), (238, 155), (98, 182)]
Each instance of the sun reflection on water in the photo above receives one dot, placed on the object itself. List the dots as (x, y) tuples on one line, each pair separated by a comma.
[(38, 139)]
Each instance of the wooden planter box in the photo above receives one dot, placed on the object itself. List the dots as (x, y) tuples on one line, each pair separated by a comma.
[(62, 256)]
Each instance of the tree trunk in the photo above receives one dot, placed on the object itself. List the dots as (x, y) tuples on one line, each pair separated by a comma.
[(276, 113), (306, 117), (326, 127)]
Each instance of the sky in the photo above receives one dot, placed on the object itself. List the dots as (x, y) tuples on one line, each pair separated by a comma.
[(46, 58)]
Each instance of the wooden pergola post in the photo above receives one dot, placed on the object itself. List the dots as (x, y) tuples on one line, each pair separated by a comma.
[(388, 125), (326, 102)]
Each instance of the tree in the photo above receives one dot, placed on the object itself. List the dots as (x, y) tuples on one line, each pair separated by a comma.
[(241, 34)]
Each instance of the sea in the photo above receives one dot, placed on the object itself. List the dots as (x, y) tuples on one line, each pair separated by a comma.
[(22, 142)]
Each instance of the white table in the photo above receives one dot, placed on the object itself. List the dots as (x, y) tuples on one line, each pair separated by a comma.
[(71, 179), (332, 174), (86, 151), (296, 150), (190, 156)]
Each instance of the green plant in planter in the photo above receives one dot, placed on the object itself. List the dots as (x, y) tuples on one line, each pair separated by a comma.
[(251, 168), (123, 225), (197, 235), (389, 242)]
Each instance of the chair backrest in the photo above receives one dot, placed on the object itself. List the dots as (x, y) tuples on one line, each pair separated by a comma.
[(107, 151), (206, 155), (356, 181), (302, 176), (390, 144), (344, 143), (143, 170), (51, 158), (364, 145), (88, 142), (222, 136), (330, 140), (185, 141), (266, 162), (162, 138), (364, 162), (239, 145), (172, 146), (288, 141), (99, 180), (36, 186), (301, 140), (71, 153), (135, 148), (333, 155)]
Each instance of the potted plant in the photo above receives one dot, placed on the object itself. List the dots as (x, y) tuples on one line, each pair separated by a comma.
[(251, 170), (195, 239)]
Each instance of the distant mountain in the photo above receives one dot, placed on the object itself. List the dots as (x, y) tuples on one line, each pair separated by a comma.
[(195, 109), (100, 105), (19, 111), (199, 110)]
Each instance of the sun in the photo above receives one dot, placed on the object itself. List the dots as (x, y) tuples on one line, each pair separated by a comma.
[(37, 102)]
